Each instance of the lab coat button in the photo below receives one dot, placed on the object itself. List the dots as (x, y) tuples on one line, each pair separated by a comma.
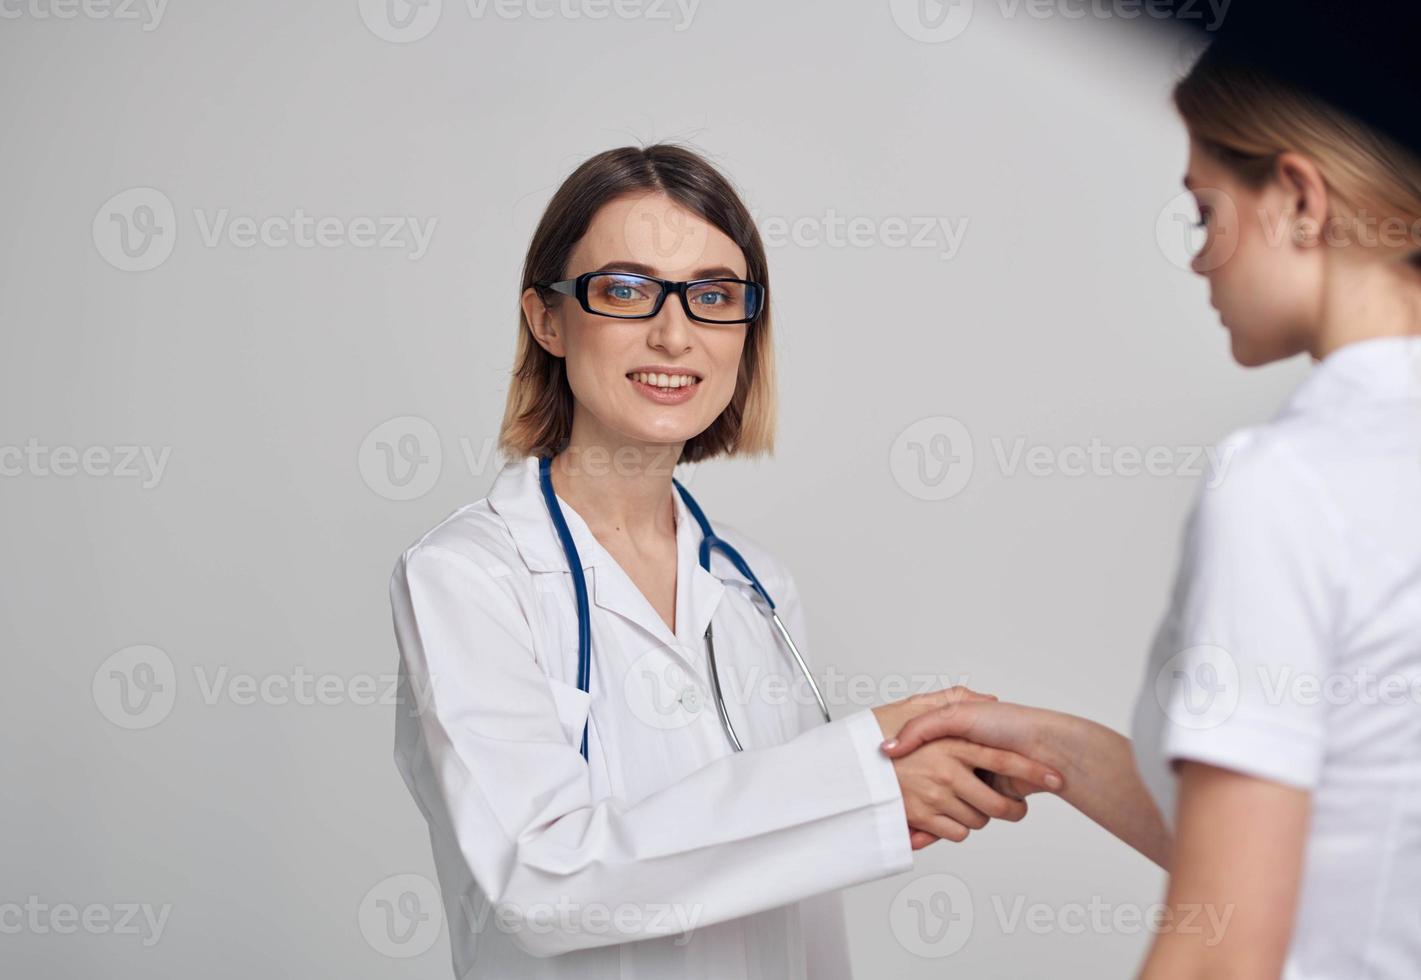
[(691, 699)]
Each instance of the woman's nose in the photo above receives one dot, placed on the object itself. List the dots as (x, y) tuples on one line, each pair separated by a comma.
[(671, 329)]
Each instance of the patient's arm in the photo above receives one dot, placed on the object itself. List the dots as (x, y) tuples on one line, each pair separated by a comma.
[(1102, 780)]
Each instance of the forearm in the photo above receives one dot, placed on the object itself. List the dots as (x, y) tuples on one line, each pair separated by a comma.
[(1103, 782)]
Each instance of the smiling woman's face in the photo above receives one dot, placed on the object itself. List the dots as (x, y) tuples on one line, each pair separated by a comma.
[(614, 366)]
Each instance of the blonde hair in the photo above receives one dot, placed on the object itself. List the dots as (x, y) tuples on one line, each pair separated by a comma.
[(537, 419), (1244, 117)]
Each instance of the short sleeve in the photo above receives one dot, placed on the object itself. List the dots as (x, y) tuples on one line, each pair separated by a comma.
[(1250, 632)]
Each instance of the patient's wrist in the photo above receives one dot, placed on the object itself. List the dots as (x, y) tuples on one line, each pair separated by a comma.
[(1057, 741)]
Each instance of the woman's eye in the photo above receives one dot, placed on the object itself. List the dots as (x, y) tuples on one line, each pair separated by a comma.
[(622, 292), (711, 299)]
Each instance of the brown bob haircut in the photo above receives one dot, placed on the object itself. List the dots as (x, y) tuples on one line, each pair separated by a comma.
[(537, 420)]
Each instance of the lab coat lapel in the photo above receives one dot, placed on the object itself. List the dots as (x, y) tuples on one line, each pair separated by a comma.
[(517, 498), (698, 592)]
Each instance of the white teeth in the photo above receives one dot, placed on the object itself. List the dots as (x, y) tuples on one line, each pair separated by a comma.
[(664, 381)]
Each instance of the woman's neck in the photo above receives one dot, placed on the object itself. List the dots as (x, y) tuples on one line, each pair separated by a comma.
[(1366, 301), (618, 485)]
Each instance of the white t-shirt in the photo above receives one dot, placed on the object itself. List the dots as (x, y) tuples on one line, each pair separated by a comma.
[(1292, 649)]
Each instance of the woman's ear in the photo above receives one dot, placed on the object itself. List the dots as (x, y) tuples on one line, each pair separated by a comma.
[(1305, 198), (543, 323)]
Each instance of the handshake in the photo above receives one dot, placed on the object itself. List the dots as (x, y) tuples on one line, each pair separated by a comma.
[(963, 759)]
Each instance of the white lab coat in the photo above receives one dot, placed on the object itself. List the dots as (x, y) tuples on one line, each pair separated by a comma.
[(666, 855)]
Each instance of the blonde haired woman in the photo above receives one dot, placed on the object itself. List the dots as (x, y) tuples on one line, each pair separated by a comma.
[(590, 814), (1279, 728)]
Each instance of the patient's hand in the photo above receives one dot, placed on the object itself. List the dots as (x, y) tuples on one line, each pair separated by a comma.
[(943, 795), (1015, 729)]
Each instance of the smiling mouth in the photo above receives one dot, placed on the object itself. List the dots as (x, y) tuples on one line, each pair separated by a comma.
[(664, 382)]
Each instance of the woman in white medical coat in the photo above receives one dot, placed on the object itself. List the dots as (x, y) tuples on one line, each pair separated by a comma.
[(665, 854), (1278, 732)]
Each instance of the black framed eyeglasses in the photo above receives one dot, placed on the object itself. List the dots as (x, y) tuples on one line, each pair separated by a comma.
[(629, 296)]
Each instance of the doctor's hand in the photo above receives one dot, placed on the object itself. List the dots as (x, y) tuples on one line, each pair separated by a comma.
[(1014, 728), (944, 792), (946, 795)]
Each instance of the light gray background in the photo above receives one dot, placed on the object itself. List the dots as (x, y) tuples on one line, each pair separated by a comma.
[(272, 375)]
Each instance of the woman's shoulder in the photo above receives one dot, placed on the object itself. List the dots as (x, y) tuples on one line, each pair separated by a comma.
[(473, 535), (483, 531), (1267, 476)]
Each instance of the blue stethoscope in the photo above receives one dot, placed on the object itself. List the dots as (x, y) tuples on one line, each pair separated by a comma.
[(709, 543)]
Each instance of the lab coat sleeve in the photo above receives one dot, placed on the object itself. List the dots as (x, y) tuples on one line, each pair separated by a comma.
[(746, 833), (822, 917)]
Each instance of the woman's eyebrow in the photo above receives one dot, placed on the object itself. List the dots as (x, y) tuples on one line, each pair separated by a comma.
[(712, 272)]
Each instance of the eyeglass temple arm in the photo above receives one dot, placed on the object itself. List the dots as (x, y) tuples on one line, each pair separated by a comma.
[(568, 287)]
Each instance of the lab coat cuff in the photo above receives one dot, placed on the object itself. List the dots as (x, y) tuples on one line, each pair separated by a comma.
[(884, 791)]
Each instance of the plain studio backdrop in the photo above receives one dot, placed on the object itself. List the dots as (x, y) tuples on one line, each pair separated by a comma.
[(261, 266)]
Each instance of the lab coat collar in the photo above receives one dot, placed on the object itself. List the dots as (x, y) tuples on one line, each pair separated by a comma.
[(518, 499), (1382, 369)]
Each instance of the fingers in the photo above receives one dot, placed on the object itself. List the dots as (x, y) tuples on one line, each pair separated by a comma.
[(1014, 766), (1005, 785), (954, 695), (953, 719), (965, 813), (920, 839), (987, 800), (942, 827)]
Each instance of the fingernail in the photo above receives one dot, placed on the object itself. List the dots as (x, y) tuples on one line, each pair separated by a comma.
[(891, 743), (1054, 781)]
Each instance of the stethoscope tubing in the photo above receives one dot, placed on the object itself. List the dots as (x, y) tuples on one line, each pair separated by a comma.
[(710, 544)]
